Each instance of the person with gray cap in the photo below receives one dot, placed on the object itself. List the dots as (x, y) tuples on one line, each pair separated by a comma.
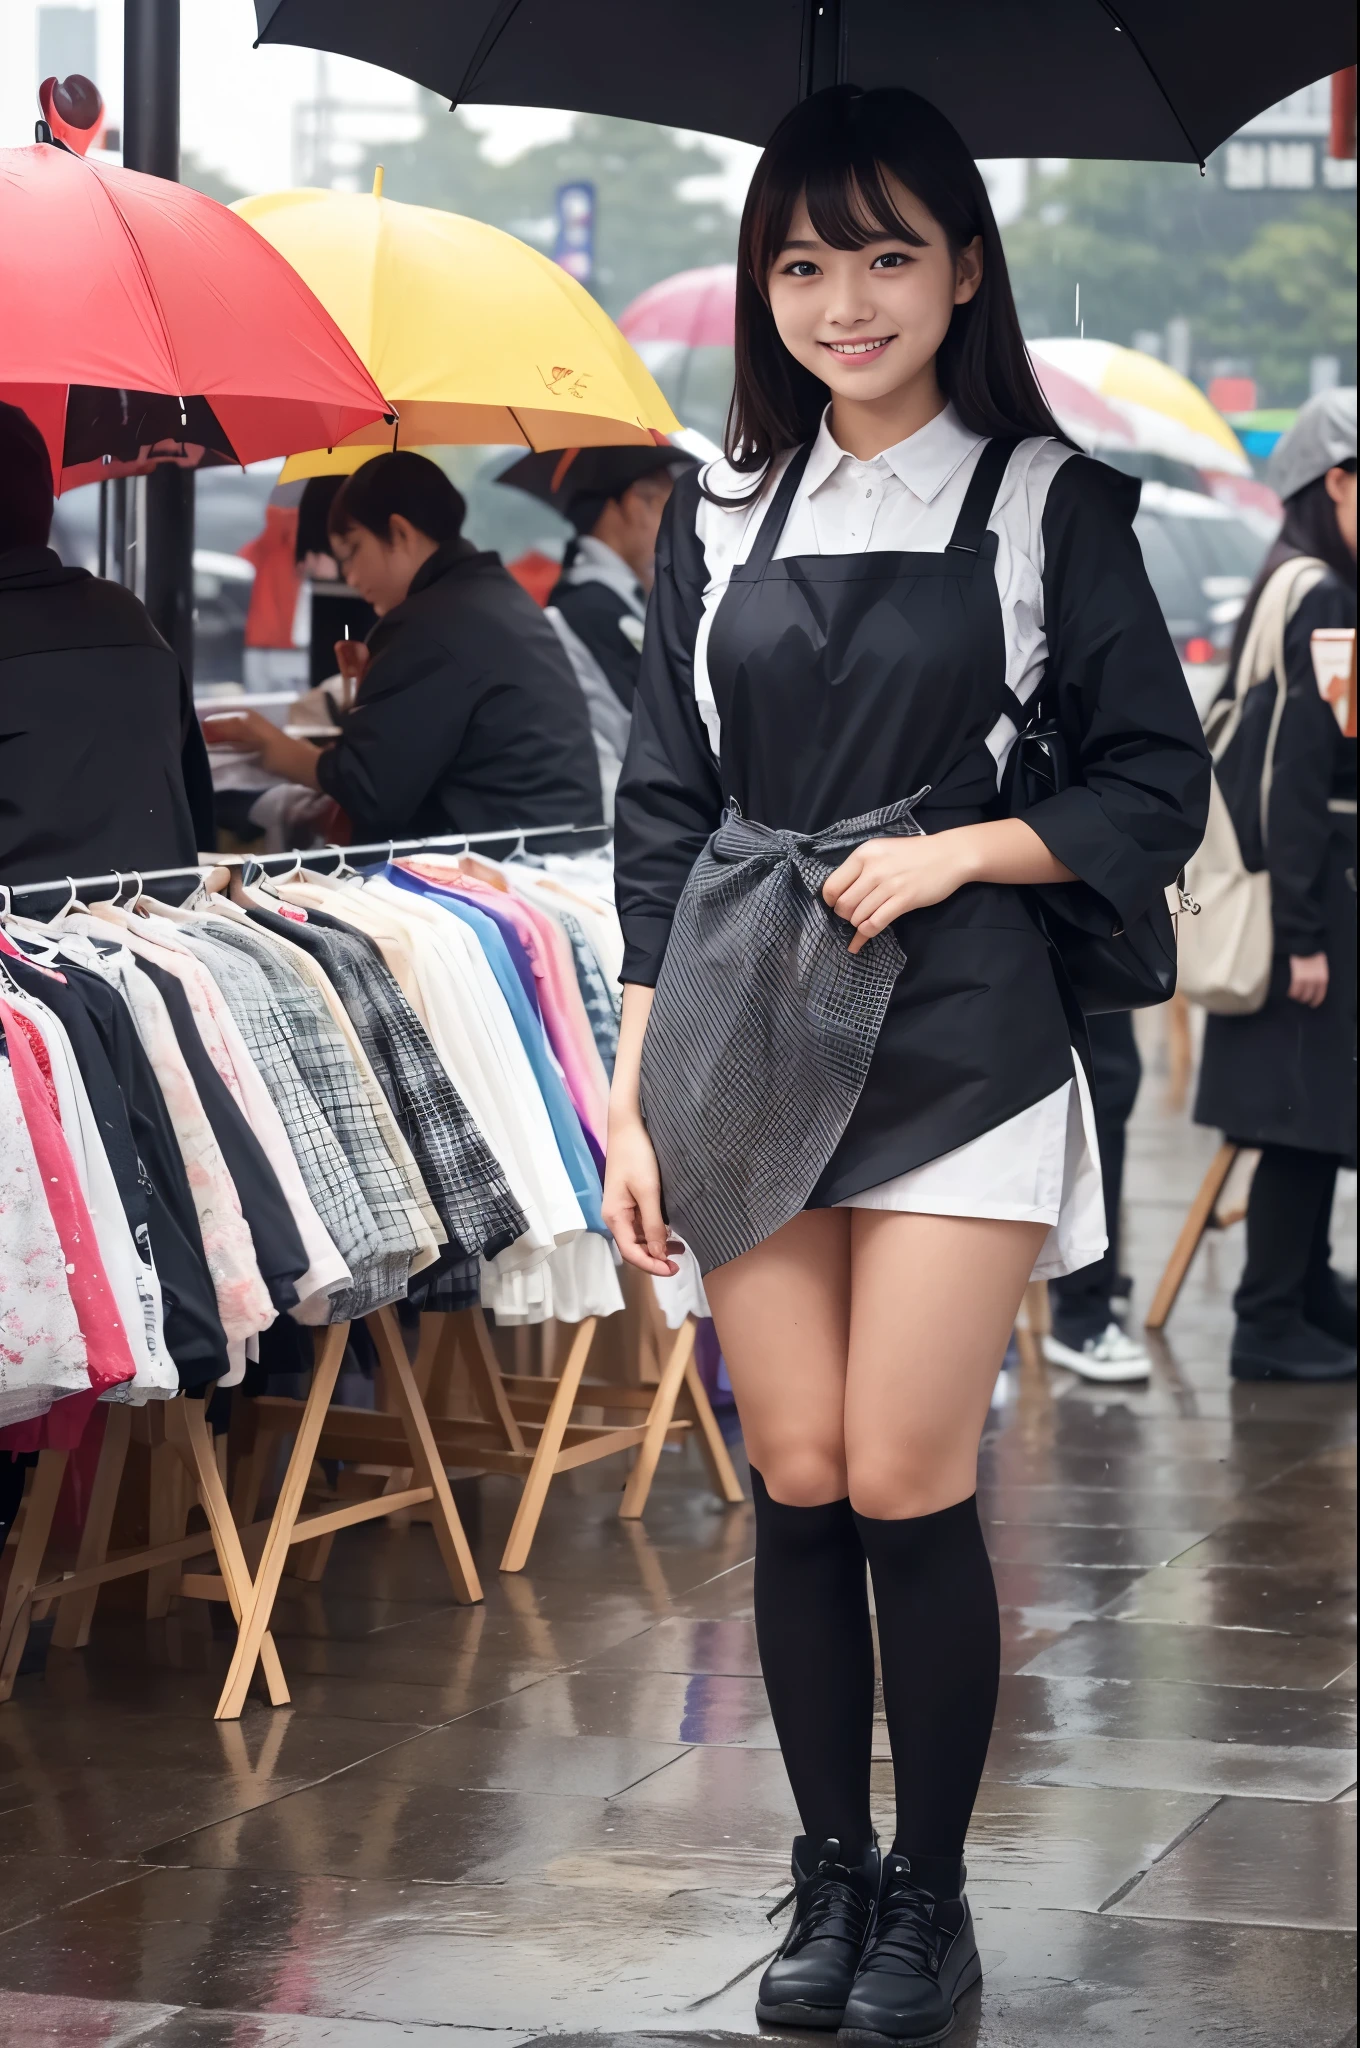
[(1283, 1077)]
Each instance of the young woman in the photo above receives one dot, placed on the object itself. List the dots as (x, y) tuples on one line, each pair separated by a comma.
[(856, 1097), (1284, 1078)]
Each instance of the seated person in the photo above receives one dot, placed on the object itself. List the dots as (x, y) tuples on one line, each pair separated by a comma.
[(102, 764), (467, 716)]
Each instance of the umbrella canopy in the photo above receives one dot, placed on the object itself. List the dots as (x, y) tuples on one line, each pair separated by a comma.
[(1168, 415), (474, 336), (143, 321), (578, 481), (1163, 79)]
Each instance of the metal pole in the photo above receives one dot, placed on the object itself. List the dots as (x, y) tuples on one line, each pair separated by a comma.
[(826, 25), (151, 143)]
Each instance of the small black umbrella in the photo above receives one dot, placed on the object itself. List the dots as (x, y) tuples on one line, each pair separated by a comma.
[(577, 482), (1162, 79)]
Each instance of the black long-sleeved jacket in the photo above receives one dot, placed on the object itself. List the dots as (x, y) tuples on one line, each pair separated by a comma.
[(102, 761), (469, 717)]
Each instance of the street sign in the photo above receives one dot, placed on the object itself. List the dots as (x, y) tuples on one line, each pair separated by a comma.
[(574, 241)]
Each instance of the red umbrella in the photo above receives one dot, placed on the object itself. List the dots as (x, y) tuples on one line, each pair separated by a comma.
[(145, 322)]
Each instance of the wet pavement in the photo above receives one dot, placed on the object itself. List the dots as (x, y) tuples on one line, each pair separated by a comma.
[(562, 1813)]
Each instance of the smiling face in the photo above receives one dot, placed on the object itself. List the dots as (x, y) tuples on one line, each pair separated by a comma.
[(869, 322)]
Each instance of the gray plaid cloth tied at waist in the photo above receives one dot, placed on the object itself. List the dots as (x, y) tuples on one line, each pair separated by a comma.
[(762, 1028)]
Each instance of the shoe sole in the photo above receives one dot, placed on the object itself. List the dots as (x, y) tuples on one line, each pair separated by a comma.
[(1254, 1369), (824, 2018), (1111, 1375), (869, 2039)]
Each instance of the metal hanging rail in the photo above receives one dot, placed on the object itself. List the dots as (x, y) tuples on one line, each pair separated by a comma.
[(298, 856)]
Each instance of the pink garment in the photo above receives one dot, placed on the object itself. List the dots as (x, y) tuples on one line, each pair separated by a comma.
[(559, 997), (108, 1354)]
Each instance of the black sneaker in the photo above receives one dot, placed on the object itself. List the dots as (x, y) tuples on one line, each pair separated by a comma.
[(1295, 1351), (920, 1958), (809, 1980), (1331, 1307)]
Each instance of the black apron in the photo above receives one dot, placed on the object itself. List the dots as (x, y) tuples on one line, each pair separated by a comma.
[(846, 685)]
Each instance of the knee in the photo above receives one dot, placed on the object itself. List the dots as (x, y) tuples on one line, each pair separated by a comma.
[(897, 1487), (804, 1475)]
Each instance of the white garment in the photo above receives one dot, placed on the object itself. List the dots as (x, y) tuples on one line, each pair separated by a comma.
[(132, 1277), (42, 1351), (1043, 1164)]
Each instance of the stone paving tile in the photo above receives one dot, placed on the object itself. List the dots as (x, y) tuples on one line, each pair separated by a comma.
[(1153, 1650), (1281, 1864)]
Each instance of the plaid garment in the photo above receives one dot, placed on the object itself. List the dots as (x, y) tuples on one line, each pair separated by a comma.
[(762, 1028), (325, 1065), (330, 1182), (462, 1174), (601, 1012)]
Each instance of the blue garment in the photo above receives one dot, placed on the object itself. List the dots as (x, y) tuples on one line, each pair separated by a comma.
[(566, 1125)]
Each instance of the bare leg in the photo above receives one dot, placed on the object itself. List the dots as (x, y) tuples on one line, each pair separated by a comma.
[(782, 1313)]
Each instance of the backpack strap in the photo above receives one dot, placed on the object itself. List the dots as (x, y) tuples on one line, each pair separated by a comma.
[(1262, 658)]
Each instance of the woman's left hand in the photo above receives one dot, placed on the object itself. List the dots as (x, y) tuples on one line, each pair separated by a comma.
[(885, 878)]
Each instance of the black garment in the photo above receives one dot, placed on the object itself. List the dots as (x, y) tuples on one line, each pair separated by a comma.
[(112, 1061), (102, 761), (603, 617), (845, 683), (1286, 1075), (939, 1646), (279, 1251), (1289, 1212), (1081, 1301), (469, 717), (817, 1659)]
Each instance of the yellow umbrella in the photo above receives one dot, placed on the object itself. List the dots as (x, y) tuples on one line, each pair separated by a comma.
[(471, 336), (1168, 414)]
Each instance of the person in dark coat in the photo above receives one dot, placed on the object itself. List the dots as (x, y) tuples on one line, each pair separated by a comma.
[(102, 764), (1283, 1078), (467, 716)]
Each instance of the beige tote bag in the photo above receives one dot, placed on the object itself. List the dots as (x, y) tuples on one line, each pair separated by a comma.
[(1225, 952)]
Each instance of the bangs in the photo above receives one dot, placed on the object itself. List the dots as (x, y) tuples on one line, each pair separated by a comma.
[(848, 200)]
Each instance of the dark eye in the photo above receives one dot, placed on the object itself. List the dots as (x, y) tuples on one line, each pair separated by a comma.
[(891, 259), (801, 267)]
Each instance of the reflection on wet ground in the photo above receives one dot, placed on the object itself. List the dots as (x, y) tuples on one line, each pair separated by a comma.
[(562, 1813)]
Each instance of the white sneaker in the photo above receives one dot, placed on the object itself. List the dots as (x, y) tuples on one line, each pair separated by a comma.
[(1109, 1358)]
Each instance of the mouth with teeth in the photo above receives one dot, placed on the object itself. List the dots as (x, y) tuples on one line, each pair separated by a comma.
[(859, 351)]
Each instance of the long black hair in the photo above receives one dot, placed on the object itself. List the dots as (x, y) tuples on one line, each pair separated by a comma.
[(1310, 528), (835, 149)]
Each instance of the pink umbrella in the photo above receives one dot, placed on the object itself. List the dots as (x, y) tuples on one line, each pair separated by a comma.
[(1081, 412), (696, 307)]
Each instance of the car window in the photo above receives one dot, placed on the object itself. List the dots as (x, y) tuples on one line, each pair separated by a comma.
[(1174, 579)]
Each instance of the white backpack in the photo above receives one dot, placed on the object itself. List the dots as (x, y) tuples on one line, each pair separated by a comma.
[(1225, 952)]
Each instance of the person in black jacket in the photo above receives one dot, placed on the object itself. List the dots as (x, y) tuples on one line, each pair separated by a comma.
[(1283, 1079), (467, 716), (102, 764)]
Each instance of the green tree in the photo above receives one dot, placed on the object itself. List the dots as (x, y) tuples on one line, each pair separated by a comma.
[(1266, 279), (647, 224)]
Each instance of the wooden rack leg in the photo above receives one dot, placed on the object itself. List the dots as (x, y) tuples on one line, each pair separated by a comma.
[(659, 1419), (716, 1456), (167, 1521), (487, 1385), (29, 1551), (525, 1525), (256, 1612), (426, 1464), (186, 1427), (76, 1614), (1192, 1230)]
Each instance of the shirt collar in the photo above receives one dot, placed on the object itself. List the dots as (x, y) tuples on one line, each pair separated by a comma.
[(924, 462), (594, 561)]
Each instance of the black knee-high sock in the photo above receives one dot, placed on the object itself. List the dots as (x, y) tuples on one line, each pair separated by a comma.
[(817, 1658), (939, 1645)]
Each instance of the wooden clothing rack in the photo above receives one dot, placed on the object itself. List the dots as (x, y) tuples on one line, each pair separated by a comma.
[(1206, 1212)]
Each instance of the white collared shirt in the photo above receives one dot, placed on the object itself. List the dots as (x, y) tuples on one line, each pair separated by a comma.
[(906, 499)]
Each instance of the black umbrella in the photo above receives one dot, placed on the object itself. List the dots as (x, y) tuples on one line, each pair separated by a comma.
[(578, 482), (1162, 79)]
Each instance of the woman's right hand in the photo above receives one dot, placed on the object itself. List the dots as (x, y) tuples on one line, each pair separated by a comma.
[(1308, 978), (632, 1199)]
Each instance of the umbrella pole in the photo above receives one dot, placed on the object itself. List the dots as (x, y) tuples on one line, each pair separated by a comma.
[(151, 143)]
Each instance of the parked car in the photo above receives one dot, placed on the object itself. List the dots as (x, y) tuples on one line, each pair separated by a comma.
[(229, 506), (1201, 560)]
